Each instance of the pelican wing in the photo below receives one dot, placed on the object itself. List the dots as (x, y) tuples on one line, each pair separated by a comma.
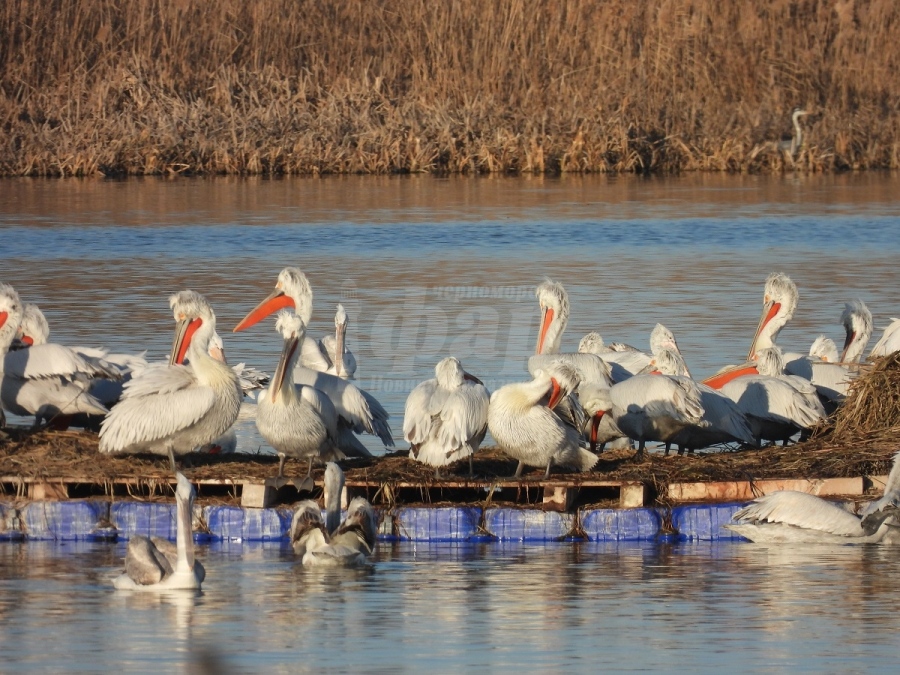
[(800, 510), (889, 342), (163, 400), (422, 411), (145, 564), (590, 367), (891, 490), (464, 417), (53, 360), (307, 527)]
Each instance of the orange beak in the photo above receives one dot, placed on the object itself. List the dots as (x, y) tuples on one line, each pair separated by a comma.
[(595, 425), (276, 300), (555, 393), (184, 333), (546, 320), (769, 312)]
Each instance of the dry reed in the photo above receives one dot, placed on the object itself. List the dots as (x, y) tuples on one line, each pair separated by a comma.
[(121, 87)]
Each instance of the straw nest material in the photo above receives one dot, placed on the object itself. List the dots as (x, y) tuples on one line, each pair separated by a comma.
[(860, 440)]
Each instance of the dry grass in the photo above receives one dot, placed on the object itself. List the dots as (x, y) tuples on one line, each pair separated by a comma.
[(368, 86)]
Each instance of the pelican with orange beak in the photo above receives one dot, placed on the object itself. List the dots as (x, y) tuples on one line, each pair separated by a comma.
[(357, 409), (522, 421), (172, 409)]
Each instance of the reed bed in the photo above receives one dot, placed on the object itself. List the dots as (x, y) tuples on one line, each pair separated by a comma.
[(157, 87)]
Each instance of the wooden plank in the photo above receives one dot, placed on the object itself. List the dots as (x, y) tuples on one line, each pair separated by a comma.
[(632, 496), (257, 495), (558, 498), (47, 491), (725, 491)]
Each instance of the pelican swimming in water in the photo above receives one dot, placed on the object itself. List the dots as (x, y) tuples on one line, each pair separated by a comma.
[(153, 564), (172, 409), (334, 356), (330, 543), (289, 416), (522, 420), (359, 410), (44, 380), (787, 516), (445, 418)]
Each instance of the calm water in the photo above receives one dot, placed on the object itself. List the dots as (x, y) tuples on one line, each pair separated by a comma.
[(572, 607), (429, 267)]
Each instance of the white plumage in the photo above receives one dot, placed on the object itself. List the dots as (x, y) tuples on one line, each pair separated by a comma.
[(445, 418)]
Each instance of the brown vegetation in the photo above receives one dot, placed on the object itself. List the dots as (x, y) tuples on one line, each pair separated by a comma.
[(369, 86)]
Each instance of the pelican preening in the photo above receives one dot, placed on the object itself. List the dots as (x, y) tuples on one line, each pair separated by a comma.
[(153, 564), (358, 410), (787, 516), (446, 417), (522, 421), (173, 409), (331, 543)]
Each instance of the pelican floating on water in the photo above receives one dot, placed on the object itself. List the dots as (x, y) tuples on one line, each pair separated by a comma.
[(446, 417), (787, 516), (154, 564), (172, 409), (359, 410), (522, 421), (330, 543)]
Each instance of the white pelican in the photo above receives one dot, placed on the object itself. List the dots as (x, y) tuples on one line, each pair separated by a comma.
[(330, 543), (45, 380), (722, 419), (153, 564), (630, 359), (522, 421), (171, 409), (288, 416), (333, 350), (824, 349), (554, 304), (645, 408), (358, 409), (34, 330), (251, 379), (788, 516), (446, 418), (889, 341), (777, 405)]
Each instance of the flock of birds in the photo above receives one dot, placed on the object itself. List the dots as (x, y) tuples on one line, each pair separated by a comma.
[(574, 404)]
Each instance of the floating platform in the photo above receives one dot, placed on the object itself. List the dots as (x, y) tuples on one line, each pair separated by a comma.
[(455, 511)]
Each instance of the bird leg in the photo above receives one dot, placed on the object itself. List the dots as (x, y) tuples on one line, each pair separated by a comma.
[(171, 451), (641, 453), (547, 472), (471, 467), (281, 458), (437, 474), (669, 447), (518, 473)]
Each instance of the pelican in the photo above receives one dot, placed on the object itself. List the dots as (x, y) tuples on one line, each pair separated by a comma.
[(522, 421), (44, 380), (621, 356), (330, 543), (645, 408), (788, 516), (358, 409), (289, 416), (251, 379), (171, 409), (333, 350), (778, 405), (446, 418), (824, 349), (153, 564), (831, 380), (34, 330), (889, 342), (554, 303), (793, 145), (722, 420)]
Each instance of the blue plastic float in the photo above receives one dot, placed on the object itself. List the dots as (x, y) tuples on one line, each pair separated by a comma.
[(94, 519)]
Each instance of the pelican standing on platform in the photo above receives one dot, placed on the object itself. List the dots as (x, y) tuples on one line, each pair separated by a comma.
[(522, 420), (446, 418), (288, 416), (153, 564), (359, 410), (172, 409), (330, 543)]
